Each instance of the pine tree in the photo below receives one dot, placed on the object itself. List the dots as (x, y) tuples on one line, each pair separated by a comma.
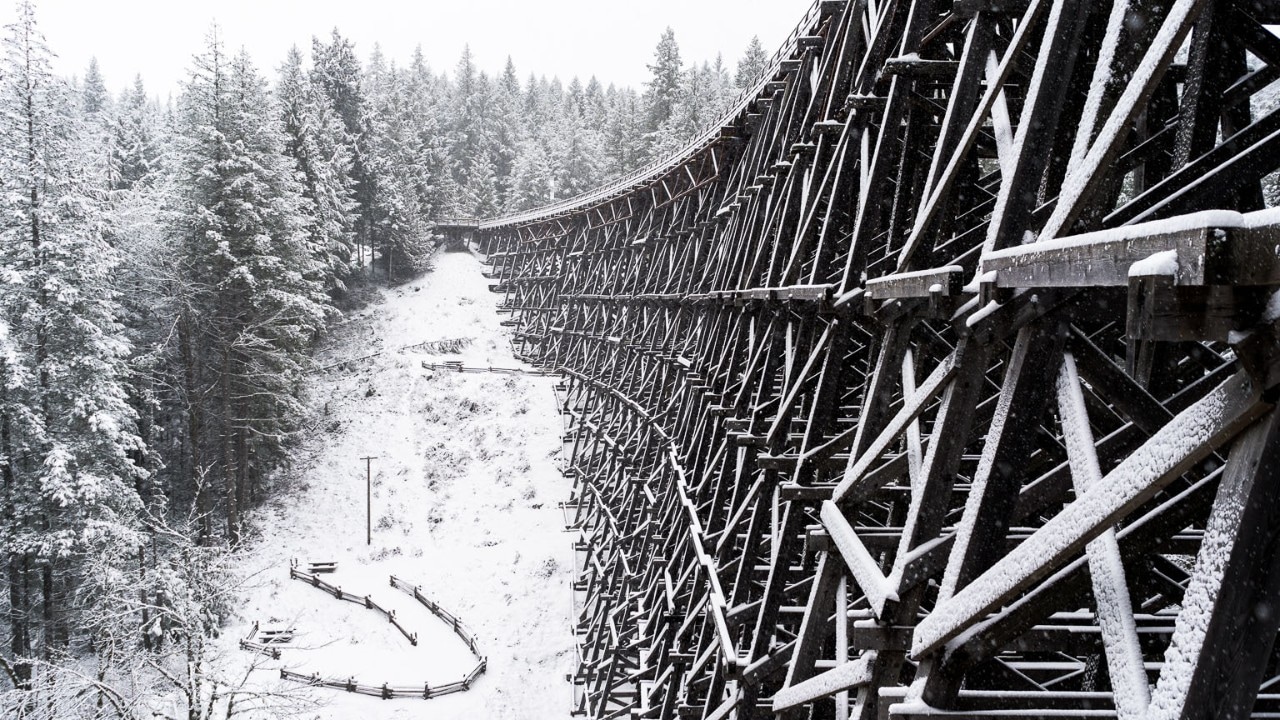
[(336, 70), (663, 89), (532, 181), (577, 144), (508, 127), (135, 151), (401, 163), (95, 95), (752, 65), (65, 426), (253, 305), (314, 139)]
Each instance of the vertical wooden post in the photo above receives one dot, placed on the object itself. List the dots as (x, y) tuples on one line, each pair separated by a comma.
[(368, 498)]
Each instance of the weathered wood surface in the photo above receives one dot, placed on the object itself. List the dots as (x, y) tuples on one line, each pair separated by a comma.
[(930, 382)]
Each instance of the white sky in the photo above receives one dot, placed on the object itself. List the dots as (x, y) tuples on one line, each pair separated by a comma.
[(610, 39)]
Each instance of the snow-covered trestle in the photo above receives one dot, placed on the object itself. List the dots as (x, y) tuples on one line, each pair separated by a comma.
[(938, 380)]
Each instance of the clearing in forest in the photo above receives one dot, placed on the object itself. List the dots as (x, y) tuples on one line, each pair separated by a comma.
[(464, 495)]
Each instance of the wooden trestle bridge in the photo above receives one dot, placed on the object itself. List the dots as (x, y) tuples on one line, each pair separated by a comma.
[(939, 380)]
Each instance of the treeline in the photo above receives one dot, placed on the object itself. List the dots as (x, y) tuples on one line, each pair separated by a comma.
[(166, 270)]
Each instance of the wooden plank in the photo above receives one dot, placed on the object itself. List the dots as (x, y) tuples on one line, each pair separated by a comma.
[(1212, 247), (1110, 590), (1188, 438), (865, 569), (1221, 642), (846, 676), (941, 282)]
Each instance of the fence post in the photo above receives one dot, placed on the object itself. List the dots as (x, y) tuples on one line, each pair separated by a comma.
[(386, 692)]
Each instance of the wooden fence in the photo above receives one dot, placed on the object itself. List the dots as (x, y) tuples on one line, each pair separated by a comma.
[(459, 628), (386, 691), (443, 346), (365, 600), (455, 366)]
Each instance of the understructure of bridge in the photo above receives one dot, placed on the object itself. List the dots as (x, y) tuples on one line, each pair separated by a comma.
[(938, 380)]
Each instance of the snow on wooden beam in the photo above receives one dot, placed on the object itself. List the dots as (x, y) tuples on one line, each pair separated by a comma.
[(909, 412), (1223, 635), (925, 283), (1106, 568), (1187, 439), (865, 570), (849, 675), (1215, 247)]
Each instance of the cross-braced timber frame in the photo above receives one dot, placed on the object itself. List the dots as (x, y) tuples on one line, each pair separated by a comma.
[(937, 381)]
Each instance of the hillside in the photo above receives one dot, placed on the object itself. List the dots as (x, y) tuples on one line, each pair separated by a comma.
[(465, 493)]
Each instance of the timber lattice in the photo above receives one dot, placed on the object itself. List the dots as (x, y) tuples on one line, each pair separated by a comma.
[(938, 380)]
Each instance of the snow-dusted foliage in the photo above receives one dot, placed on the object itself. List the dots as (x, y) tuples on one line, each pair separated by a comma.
[(166, 269), (67, 433), (252, 299)]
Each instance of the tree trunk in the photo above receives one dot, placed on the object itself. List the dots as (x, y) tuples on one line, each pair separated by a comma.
[(230, 484), (195, 425), (20, 640)]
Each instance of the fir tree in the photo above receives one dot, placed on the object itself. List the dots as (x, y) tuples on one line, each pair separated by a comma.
[(135, 151), (752, 65), (253, 303), (65, 426), (663, 89), (314, 139), (336, 70)]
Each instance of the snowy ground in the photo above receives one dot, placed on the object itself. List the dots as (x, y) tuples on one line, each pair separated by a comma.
[(465, 493)]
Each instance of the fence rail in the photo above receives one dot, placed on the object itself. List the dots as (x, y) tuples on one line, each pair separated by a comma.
[(386, 691), (460, 629), (460, 368), (340, 594)]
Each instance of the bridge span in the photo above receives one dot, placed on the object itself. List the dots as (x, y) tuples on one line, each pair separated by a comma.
[(938, 380)]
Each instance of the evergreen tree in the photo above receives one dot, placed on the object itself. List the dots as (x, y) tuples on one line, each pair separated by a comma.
[(65, 427), (95, 95), (336, 70), (253, 303), (401, 165), (532, 178), (577, 144), (752, 65), (314, 139), (508, 127), (135, 151), (663, 89)]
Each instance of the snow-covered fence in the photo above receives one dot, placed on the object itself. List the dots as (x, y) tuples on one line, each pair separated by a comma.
[(386, 691), (455, 366), (340, 594), (248, 643), (454, 621), (444, 346)]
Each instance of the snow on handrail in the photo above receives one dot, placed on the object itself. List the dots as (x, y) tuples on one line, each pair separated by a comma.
[(661, 166)]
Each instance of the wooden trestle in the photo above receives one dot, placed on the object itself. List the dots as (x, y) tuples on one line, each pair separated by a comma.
[(938, 380)]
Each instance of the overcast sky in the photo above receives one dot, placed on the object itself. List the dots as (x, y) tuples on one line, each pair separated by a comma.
[(612, 40)]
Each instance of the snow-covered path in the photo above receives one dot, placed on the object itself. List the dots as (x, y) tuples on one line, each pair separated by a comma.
[(465, 493)]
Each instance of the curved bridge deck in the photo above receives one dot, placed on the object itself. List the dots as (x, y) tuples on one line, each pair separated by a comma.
[(938, 380)]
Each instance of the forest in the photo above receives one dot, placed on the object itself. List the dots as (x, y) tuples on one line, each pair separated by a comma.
[(167, 268)]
